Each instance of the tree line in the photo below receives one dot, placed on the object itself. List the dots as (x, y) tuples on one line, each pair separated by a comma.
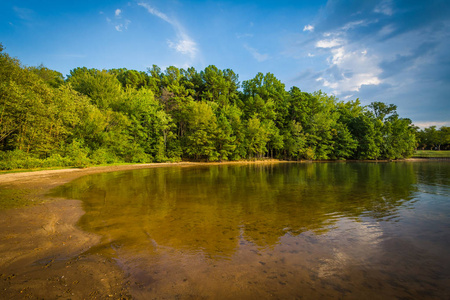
[(111, 116), (434, 139)]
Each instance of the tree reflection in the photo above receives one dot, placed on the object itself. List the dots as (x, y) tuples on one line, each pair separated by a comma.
[(212, 209)]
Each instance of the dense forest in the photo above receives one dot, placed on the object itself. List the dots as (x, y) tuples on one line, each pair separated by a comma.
[(111, 116)]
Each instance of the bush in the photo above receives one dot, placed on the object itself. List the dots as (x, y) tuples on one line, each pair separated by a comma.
[(103, 156), (139, 156), (18, 159), (78, 154), (56, 160)]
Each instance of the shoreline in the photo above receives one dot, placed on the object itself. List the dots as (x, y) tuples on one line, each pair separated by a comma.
[(65, 175)]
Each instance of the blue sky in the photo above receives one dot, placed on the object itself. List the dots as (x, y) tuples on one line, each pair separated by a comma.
[(391, 51)]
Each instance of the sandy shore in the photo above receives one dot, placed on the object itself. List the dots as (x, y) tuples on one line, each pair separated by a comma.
[(43, 254)]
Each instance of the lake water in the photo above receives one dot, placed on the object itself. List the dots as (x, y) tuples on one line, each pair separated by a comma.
[(279, 231)]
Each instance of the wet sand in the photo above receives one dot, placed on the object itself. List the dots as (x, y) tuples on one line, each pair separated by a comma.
[(43, 254)]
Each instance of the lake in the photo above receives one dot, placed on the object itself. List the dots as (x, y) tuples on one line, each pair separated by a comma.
[(284, 231)]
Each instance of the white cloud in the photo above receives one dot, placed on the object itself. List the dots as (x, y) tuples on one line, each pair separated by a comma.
[(386, 30), (354, 24), (117, 13), (184, 44), (385, 7), (428, 124), (308, 28), (329, 43), (123, 26), (256, 55), (355, 68), (157, 13)]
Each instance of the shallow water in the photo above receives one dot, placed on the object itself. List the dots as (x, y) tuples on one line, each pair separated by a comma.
[(286, 231)]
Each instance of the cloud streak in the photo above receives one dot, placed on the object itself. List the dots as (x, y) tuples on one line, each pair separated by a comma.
[(25, 14), (255, 53), (184, 44)]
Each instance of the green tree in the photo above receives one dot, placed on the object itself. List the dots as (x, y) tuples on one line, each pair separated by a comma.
[(257, 137), (101, 87), (294, 141), (53, 78), (202, 127)]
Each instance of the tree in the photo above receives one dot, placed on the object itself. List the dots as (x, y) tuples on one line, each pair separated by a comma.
[(202, 127), (224, 139), (219, 86), (444, 136), (363, 130), (382, 110), (294, 141), (101, 87), (53, 78), (257, 137)]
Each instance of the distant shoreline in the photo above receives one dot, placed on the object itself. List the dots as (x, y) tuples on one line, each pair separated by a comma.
[(29, 178)]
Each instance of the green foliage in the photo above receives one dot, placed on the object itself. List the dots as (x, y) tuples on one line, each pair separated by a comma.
[(78, 153), (18, 159), (103, 156), (433, 139), (103, 88), (119, 115), (202, 127), (53, 78)]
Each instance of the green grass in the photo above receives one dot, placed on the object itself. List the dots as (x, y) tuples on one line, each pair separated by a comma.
[(431, 154)]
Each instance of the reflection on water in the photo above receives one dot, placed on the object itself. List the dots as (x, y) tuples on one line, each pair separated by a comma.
[(285, 230)]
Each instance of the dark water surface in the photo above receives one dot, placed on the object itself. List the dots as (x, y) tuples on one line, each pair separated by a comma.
[(282, 231)]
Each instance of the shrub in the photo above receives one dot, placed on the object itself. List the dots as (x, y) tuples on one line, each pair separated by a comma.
[(103, 156), (18, 159), (78, 154)]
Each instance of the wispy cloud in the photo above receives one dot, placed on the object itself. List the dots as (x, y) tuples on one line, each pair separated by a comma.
[(331, 43), (184, 43), (25, 14), (118, 22), (308, 28), (122, 26), (428, 124), (244, 35), (385, 7), (255, 53), (157, 13)]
